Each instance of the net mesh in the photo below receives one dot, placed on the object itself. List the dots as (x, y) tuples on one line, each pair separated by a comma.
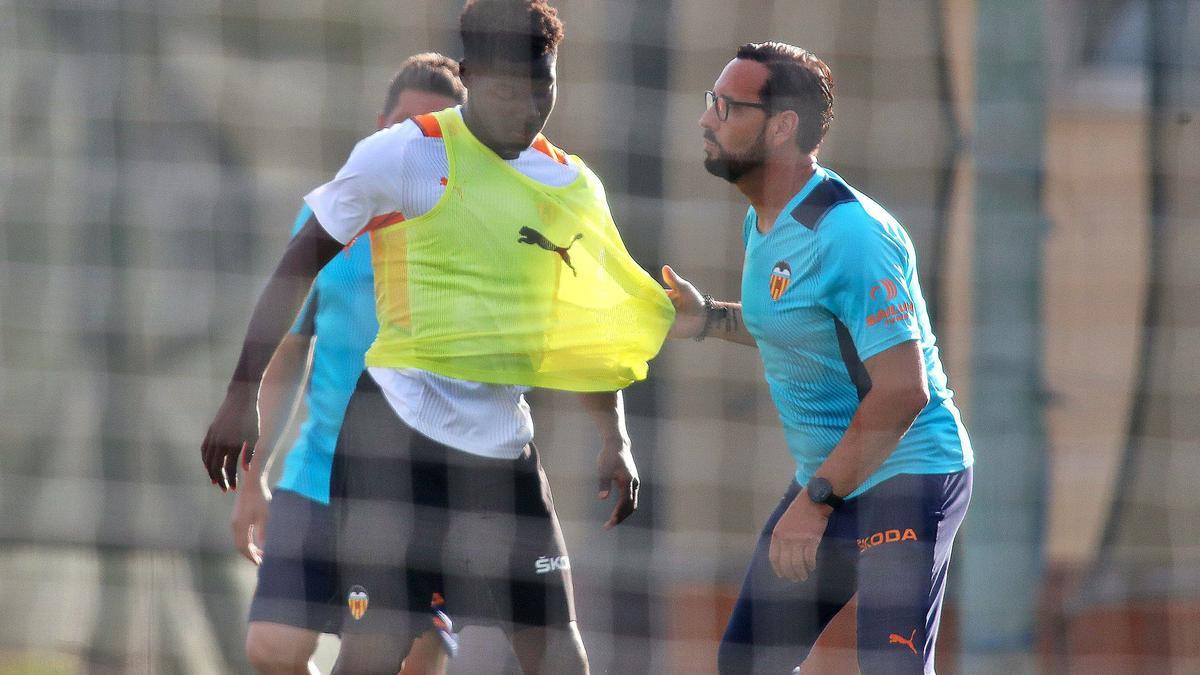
[(153, 154)]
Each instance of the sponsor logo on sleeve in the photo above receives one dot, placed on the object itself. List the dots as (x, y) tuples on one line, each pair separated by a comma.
[(894, 312), (887, 287), (899, 312)]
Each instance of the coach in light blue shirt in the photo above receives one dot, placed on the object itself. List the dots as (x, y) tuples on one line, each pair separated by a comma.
[(830, 297)]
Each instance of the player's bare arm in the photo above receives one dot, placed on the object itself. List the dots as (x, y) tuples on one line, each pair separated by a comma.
[(279, 399), (235, 429), (899, 391), (616, 471)]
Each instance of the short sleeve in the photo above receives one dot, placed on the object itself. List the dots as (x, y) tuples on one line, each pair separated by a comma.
[(361, 190), (867, 277), (302, 217)]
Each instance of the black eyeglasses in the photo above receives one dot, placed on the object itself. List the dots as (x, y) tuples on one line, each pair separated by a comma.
[(724, 103)]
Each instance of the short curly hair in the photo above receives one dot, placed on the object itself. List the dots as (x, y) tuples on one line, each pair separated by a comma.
[(798, 81), (509, 30)]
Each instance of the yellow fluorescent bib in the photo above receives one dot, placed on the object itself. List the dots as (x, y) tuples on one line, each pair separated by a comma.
[(509, 281)]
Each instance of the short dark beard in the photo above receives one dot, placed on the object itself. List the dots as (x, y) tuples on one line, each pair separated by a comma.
[(733, 169)]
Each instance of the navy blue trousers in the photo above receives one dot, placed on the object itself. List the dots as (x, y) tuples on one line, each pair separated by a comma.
[(891, 545)]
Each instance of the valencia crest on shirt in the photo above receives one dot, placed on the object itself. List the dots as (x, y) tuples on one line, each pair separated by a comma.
[(781, 276), (357, 600)]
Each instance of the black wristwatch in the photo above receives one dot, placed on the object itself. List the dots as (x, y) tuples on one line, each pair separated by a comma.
[(820, 491)]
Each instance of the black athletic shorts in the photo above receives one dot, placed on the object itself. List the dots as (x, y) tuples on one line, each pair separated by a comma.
[(297, 583), (420, 523)]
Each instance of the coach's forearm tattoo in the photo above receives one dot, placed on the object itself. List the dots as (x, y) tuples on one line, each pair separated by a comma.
[(730, 321)]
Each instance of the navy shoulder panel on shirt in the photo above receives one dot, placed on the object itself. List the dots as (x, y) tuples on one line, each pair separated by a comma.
[(826, 195)]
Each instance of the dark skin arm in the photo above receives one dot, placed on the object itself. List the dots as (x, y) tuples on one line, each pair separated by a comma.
[(234, 430), (614, 464)]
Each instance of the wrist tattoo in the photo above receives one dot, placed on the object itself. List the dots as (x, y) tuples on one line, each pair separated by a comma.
[(731, 320), (714, 315)]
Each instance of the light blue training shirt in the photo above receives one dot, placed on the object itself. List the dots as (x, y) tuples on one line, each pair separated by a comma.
[(340, 314), (832, 284)]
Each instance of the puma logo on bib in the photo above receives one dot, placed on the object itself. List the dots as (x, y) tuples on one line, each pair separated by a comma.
[(532, 236)]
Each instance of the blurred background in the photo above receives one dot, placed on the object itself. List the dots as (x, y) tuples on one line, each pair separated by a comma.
[(1043, 155)]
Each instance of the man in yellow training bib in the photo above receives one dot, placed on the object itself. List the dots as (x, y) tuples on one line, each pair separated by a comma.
[(498, 268)]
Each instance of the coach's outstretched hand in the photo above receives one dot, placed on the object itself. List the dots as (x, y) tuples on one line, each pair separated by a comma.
[(618, 473), (232, 434), (689, 305)]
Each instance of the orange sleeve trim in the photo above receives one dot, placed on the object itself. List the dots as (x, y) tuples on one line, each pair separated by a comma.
[(380, 222), (429, 125), (545, 147), (377, 223)]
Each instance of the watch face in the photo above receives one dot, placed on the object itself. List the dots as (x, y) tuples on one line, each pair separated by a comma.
[(819, 490)]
